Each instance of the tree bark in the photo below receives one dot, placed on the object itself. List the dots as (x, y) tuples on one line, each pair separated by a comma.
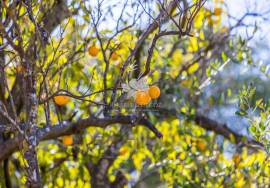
[(30, 154)]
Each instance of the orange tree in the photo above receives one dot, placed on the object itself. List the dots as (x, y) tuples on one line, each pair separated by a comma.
[(112, 94)]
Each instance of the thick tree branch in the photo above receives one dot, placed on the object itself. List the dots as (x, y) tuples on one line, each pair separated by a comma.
[(7, 174), (59, 11), (67, 128), (219, 128), (153, 45), (224, 130)]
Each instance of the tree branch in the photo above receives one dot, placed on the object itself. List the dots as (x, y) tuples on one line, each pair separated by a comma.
[(68, 128), (224, 130), (219, 128), (152, 27), (59, 11)]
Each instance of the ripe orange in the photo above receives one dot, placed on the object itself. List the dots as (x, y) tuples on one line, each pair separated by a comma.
[(154, 92), (61, 100), (142, 98), (123, 151), (201, 145), (114, 56), (93, 50), (68, 140), (217, 11)]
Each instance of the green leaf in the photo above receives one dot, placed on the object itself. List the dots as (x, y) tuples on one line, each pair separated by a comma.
[(241, 113)]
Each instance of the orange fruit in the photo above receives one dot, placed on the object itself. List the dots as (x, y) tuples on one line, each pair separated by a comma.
[(142, 98), (217, 11), (154, 92), (93, 50), (114, 56), (123, 151), (201, 145), (68, 140), (61, 100), (224, 30)]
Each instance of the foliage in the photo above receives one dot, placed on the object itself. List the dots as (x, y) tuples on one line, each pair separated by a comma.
[(70, 72), (257, 112)]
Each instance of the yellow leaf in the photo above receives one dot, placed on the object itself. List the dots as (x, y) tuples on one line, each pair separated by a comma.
[(240, 182), (172, 155), (137, 160), (182, 156), (186, 83), (202, 35), (194, 46), (193, 68), (198, 22), (177, 56), (173, 73)]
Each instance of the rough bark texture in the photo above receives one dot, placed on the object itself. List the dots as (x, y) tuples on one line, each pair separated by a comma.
[(67, 128), (33, 179), (224, 130)]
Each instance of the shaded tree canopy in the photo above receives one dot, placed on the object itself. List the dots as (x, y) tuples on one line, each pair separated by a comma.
[(132, 93)]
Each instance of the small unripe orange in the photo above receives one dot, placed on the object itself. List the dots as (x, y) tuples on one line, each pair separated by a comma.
[(142, 98), (68, 140), (154, 92), (93, 50), (114, 56), (61, 100)]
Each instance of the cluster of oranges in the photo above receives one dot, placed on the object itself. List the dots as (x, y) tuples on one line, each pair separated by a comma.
[(143, 98), (94, 50)]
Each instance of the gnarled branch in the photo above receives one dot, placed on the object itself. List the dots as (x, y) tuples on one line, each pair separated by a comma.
[(68, 128)]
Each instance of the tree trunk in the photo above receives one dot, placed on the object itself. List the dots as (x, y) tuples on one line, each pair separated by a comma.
[(30, 154)]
